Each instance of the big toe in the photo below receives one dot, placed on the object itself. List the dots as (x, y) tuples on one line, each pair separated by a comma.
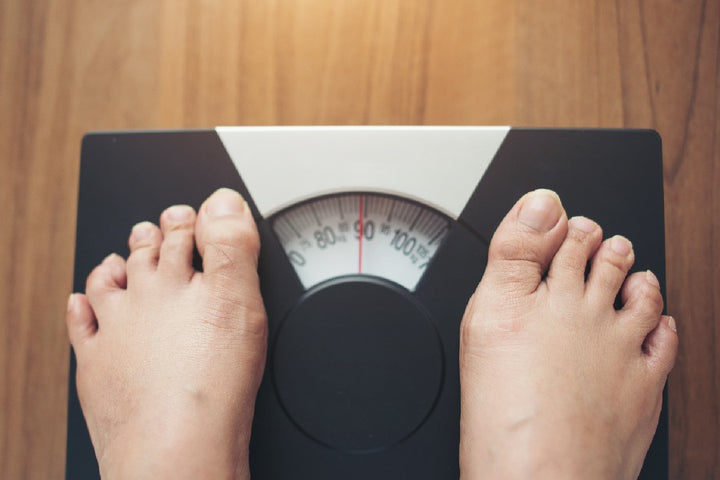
[(526, 241), (226, 235), (227, 239)]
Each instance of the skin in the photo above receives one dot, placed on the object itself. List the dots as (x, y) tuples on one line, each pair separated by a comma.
[(555, 382), (169, 360)]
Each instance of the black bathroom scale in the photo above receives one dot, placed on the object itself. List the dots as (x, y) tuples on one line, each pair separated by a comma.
[(373, 239)]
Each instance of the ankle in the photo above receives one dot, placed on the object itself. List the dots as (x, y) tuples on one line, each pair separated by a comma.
[(177, 451), (529, 451)]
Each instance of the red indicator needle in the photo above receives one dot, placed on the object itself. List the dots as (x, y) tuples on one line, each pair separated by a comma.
[(360, 231)]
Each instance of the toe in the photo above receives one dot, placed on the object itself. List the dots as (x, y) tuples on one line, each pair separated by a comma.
[(661, 347), (228, 241), (634, 282), (176, 251), (608, 269), (144, 243), (106, 279), (642, 303), (526, 241), (227, 238), (567, 270), (80, 320)]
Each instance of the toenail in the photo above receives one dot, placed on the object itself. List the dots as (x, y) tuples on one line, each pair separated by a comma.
[(224, 202), (583, 224), (141, 231), (179, 213), (621, 245), (540, 211), (652, 279), (671, 324)]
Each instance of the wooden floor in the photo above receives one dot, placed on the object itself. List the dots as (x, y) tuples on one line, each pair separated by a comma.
[(68, 66)]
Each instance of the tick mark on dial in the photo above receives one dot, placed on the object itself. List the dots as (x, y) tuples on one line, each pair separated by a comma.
[(292, 227), (412, 225), (392, 207), (317, 219), (438, 235)]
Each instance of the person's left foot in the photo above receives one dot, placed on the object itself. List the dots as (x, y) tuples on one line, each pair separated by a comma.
[(169, 359)]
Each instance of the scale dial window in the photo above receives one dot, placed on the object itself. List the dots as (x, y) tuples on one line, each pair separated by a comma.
[(360, 234)]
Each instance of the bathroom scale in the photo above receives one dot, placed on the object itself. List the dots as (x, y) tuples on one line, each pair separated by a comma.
[(373, 240)]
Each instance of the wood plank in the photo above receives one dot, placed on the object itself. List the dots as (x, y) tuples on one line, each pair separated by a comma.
[(68, 66)]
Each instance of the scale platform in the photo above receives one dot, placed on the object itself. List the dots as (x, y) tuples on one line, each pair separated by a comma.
[(373, 239)]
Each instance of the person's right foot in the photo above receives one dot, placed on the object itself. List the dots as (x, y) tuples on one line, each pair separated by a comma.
[(169, 360), (555, 382)]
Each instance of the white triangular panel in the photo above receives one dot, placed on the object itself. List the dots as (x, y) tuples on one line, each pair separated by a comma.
[(438, 166)]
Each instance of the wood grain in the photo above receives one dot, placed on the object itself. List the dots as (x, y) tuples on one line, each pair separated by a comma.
[(68, 66)]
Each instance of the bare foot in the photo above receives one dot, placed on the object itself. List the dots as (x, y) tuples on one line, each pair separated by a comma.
[(555, 382), (169, 359)]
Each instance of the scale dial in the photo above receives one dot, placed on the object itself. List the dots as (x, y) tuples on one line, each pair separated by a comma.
[(360, 234)]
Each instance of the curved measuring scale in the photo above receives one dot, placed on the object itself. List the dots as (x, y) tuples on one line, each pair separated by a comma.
[(363, 234)]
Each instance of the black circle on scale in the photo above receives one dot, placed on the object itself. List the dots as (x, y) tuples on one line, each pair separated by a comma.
[(358, 364)]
